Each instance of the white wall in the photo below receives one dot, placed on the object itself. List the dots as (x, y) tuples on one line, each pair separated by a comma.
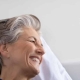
[(60, 23)]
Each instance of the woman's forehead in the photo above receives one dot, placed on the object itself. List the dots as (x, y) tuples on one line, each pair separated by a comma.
[(28, 32)]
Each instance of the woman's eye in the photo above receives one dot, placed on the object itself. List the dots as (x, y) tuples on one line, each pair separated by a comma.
[(32, 41)]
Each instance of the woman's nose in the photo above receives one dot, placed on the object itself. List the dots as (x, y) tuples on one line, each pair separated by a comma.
[(40, 50)]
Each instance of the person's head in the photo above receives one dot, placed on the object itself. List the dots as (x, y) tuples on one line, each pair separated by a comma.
[(20, 44)]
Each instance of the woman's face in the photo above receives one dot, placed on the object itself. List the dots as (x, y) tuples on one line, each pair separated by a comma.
[(26, 53)]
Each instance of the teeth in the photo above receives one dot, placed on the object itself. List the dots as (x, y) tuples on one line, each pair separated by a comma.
[(35, 59)]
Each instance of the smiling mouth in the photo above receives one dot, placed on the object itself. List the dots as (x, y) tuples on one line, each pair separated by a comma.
[(35, 59)]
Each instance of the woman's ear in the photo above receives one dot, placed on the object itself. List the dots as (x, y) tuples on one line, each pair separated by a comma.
[(3, 50)]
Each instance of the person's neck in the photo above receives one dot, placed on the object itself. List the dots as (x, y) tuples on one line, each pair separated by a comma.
[(12, 73)]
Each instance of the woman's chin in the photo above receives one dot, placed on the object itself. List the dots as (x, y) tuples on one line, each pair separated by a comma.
[(33, 71), (33, 68)]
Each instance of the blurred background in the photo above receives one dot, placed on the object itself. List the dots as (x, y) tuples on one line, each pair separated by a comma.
[(60, 20)]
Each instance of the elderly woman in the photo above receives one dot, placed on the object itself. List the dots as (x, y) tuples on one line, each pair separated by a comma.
[(21, 49)]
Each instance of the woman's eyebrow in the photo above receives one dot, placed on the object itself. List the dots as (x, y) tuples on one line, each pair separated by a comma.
[(32, 37)]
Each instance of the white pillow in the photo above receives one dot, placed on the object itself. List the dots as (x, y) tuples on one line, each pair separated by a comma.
[(51, 68)]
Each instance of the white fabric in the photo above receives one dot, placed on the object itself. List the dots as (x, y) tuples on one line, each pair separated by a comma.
[(51, 68)]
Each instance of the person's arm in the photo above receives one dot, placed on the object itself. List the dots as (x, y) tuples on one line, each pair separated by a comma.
[(51, 68)]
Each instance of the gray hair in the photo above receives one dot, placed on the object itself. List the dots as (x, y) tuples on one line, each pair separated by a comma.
[(10, 29)]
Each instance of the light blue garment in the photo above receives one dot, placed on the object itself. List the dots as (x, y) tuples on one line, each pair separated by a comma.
[(51, 68)]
